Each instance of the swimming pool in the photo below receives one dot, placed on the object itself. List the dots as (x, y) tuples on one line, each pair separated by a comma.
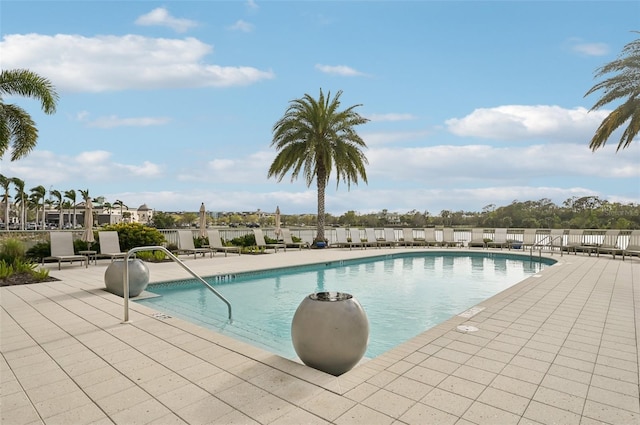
[(402, 294)]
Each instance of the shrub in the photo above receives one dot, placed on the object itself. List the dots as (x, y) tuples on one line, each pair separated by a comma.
[(132, 235), (245, 241), (39, 251), (12, 250), (152, 256)]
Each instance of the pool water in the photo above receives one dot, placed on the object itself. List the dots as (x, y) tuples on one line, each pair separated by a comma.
[(403, 295)]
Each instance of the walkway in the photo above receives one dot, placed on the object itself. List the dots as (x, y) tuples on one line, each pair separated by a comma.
[(558, 348)]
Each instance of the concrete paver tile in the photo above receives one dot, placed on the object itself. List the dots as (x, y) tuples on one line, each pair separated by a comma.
[(514, 386), (363, 415), (328, 405), (56, 405), (559, 399), (447, 401), (124, 399), (481, 413), (298, 416), (609, 414), (547, 414), (613, 398), (615, 385), (615, 373), (409, 388), (141, 413), (86, 414), (568, 386), (423, 414), (267, 408), (206, 410), (425, 375), (462, 387), (389, 403), (504, 400), (480, 376)]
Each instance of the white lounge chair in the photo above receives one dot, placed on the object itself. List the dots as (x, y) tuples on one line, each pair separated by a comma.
[(529, 239), (448, 238), (287, 239), (633, 247), (610, 244), (390, 239), (408, 239), (477, 238), (574, 240), (260, 242), (110, 245), (62, 249), (430, 237), (372, 239), (186, 245), (342, 241), (215, 243), (499, 239)]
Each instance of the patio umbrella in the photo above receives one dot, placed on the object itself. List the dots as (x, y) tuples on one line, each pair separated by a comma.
[(278, 224), (87, 235), (203, 222)]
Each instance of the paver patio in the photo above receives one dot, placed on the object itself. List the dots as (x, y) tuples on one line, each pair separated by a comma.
[(560, 347)]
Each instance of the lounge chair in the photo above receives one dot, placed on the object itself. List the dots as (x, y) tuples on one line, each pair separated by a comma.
[(356, 240), (186, 245), (430, 237), (477, 239), (390, 239), (287, 239), (408, 239), (633, 247), (215, 243), (110, 245), (499, 239), (448, 238), (574, 240), (342, 241), (528, 239), (62, 249), (372, 240), (555, 240), (610, 244), (260, 242)]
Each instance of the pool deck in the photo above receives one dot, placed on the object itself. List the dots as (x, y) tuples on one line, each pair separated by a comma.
[(561, 347)]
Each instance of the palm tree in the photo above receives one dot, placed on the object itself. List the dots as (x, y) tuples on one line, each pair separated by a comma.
[(60, 204), (21, 198), (38, 194), (17, 128), (625, 84), (315, 137), (71, 196), (5, 182), (119, 203)]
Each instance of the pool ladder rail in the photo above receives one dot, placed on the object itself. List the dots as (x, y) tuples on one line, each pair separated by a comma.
[(547, 242), (176, 260)]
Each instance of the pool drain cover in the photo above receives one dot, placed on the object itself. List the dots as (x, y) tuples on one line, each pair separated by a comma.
[(161, 316), (466, 329)]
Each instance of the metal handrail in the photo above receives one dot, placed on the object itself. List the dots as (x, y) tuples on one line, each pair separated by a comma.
[(175, 259), (550, 243)]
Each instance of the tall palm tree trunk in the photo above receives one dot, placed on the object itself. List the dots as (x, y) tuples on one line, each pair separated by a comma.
[(321, 215)]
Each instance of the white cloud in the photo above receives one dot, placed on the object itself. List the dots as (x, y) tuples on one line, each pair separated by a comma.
[(114, 121), (161, 17), (521, 122), (588, 49), (241, 25), (454, 165), (341, 70), (252, 5), (390, 117), (95, 64)]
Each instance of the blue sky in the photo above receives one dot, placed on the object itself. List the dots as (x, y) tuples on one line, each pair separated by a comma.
[(173, 103)]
